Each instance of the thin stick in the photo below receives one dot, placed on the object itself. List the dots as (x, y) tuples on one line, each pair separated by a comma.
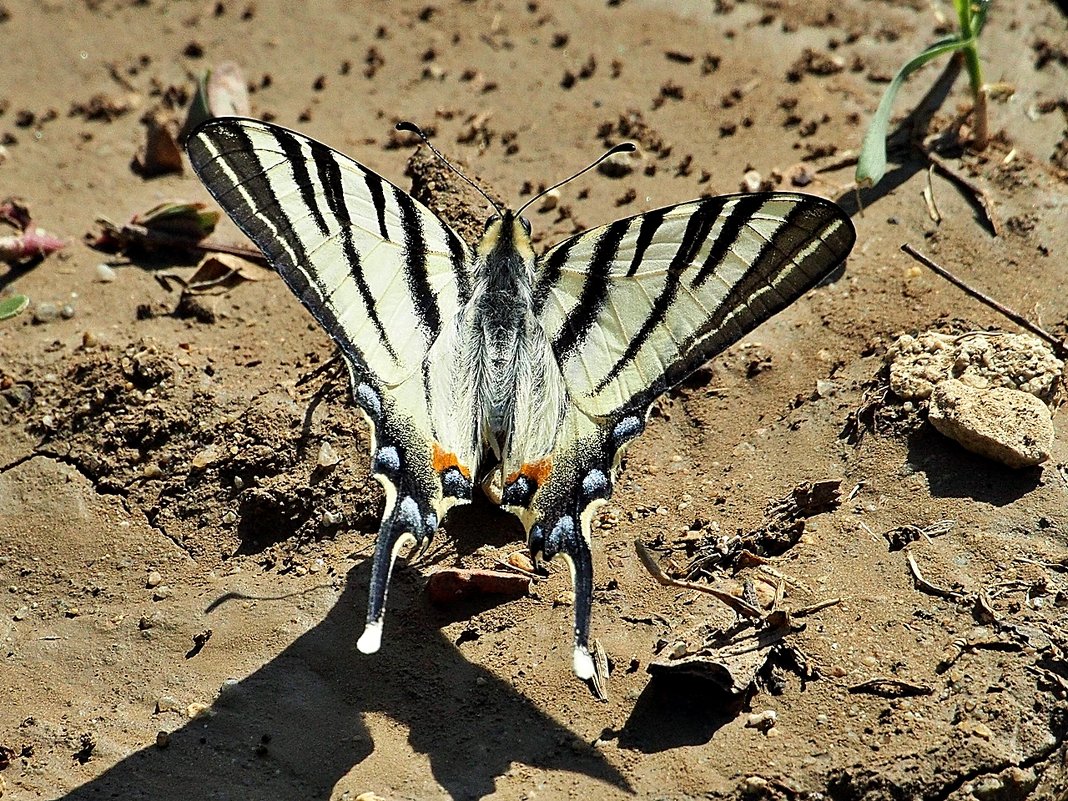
[(924, 585), (737, 604), (816, 607), (977, 191), (928, 197), (147, 236), (1019, 319), (318, 371)]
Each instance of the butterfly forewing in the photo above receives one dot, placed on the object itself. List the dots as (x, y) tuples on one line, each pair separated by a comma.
[(377, 269), (635, 306), (383, 276)]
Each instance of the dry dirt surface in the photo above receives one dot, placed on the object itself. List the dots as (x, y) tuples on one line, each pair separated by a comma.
[(183, 572)]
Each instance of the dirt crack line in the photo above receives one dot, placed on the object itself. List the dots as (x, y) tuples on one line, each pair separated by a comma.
[(17, 462), (1042, 755), (117, 492)]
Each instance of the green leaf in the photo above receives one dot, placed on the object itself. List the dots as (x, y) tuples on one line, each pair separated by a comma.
[(12, 305), (871, 164), (192, 220)]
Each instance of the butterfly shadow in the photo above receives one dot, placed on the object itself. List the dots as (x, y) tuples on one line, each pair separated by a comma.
[(295, 727)]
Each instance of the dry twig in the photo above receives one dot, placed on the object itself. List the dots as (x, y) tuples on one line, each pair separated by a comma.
[(980, 194), (924, 585), (737, 604), (1058, 345)]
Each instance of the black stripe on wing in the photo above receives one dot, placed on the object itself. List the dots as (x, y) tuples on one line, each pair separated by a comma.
[(330, 177), (594, 291), (415, 265), (550, 272), (697, 229), (378, 199), (803, 225), (736, 221), (649, 225)]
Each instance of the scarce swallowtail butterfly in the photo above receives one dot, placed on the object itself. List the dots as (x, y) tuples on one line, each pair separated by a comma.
[(487, 364)]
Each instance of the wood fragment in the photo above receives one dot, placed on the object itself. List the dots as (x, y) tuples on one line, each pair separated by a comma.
[(811, 609), (891, 688), (600, 671), (928, 198), (924, 585), (971, 186)]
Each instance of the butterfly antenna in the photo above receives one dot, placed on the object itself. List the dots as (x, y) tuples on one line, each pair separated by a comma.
[(411, 127), (625, 147)]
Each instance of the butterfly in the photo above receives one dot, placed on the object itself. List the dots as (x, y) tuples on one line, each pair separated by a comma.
[(488, 365)]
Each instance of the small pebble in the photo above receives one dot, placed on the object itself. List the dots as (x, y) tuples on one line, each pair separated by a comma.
[(327, 456), (752, 181), (197, 710), (521, 561), (754, 784), (162, 593), (762, 720), (205, 457), (550, 201), (167, 703), (154, 579), (21, 613), (67, 311), (163, 739), (152, 471), (229, 518), (45, 312), (239, 483), (104, 274), (825, 388)]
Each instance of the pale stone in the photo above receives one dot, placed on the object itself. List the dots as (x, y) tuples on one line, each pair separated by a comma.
[(979, 359), (1006, 425)]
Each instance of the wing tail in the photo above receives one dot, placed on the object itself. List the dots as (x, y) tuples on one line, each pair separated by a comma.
[(562, 506), (403, 526)]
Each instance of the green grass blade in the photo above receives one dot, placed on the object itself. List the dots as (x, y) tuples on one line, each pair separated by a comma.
[(12, 305), (871, 164)]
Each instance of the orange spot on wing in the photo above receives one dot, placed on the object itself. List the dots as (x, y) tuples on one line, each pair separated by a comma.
[(442, 460), (537, 471)]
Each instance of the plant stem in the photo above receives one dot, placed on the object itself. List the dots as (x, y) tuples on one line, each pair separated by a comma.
[(969, 29)]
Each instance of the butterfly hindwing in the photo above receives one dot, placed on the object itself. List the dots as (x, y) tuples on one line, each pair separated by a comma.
[(382, 275)]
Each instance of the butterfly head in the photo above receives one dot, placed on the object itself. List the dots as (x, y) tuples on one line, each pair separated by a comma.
[(506, 233)]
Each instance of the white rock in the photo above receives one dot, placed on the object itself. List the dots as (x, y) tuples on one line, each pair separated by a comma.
[(327, 456), (104, 274), (1006, 425), (979, 359), (762, 720)]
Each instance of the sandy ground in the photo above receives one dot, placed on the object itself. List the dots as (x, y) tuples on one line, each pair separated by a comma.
[(158, 481)]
